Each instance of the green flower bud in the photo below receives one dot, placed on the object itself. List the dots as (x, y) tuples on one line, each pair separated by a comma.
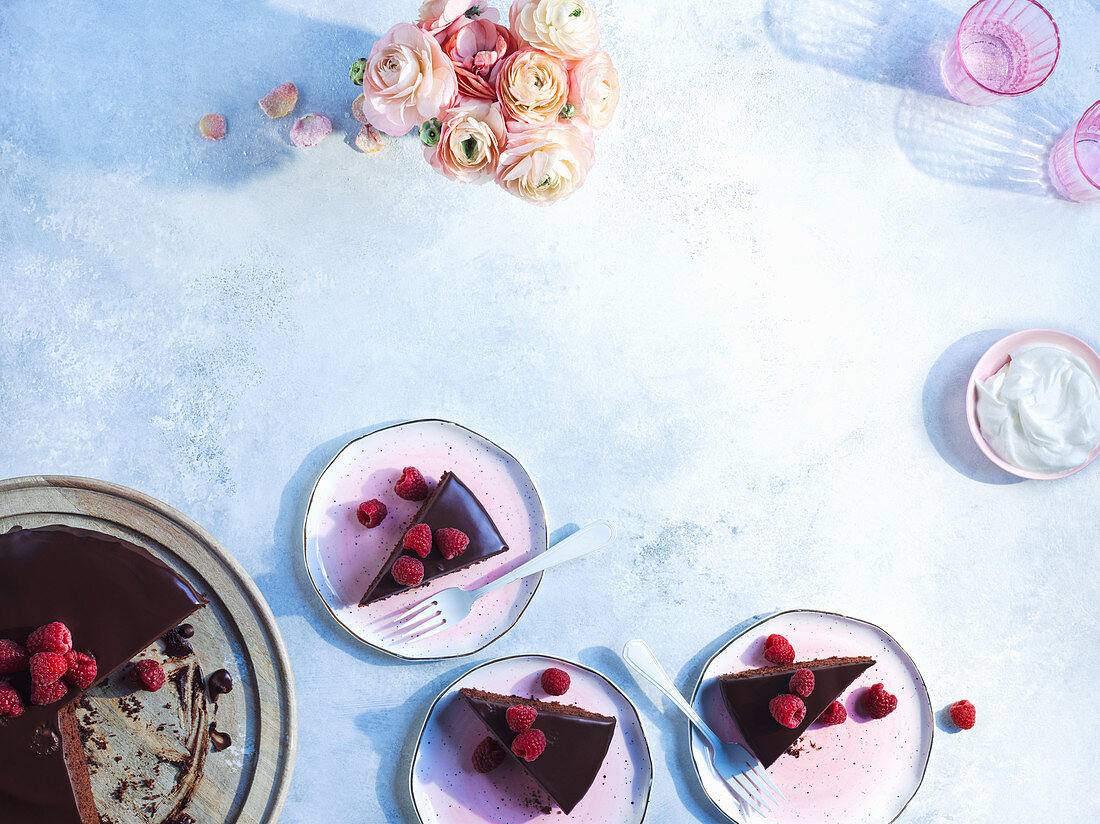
[(357, 70), (475, 12), (568, 111), (577, 12), (430, 131)]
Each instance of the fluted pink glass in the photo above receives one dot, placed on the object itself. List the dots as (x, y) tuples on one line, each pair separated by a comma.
[(1003, 48), (1075, 159)]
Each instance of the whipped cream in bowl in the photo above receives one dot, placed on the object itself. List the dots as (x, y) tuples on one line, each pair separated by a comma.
[(1033, 404)]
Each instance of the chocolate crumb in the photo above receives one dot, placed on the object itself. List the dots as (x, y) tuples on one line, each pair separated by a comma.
[(176, 644)]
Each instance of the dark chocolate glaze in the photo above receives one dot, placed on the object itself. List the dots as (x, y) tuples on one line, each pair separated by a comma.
[(219, 683), (219, 740), (116, 599), (453, 505), (576, 742), (176, 644), (748, 694)]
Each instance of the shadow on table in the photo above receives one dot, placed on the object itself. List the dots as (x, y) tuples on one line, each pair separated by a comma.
[(119, 87), (944, 407), (892, 43), (1004, 146)]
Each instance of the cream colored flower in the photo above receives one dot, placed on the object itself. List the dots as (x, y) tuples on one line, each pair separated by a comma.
[(408, 80), (544, 164), (566, 29), (532, 87), (472, 138), (594, 89)]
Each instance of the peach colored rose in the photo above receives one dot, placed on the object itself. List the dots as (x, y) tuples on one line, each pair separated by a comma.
[(594, 89), (532, 87), (475, 50), (408, 80), (471, 141), (567, 29), (544, 164)]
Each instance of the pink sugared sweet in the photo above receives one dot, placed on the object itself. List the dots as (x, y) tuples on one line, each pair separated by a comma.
[(368, 141), (280, 101), (212, 126), (310, 130), (357, 110)]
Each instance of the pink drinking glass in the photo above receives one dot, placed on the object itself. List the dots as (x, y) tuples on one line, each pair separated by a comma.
[(1003, 48), (1075, 159)]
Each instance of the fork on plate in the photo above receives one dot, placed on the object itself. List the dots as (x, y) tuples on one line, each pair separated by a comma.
[(444, 609), (738, 768)]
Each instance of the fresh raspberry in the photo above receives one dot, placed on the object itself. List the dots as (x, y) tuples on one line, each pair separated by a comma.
[(43, 694), (47, 667), (371, 513), (407, 571), (555, 681), (778, 650), (13, 657), (451, 542), (488, 755), (11, 705), (520, 717), (82, 669), (878, 703), (802, 683), (529, 745), (411, 486), (788, 710), (963, 714), (835, 714), (419, 540), (147, 674), (53, 637)]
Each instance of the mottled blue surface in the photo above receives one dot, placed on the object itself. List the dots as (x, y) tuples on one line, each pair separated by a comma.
[(735, 343)]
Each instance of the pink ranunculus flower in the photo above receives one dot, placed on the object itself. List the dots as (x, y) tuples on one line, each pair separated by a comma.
[(470, 143), (566, 29), (408, 80), (442, 18), (544, 164), (476, 49), (532, 87), (594, 89)]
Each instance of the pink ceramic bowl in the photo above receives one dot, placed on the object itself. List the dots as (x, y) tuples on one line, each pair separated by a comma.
[(996, 357)]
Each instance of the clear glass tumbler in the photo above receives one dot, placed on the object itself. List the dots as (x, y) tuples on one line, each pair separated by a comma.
[(1075, 159), (1003, 48)]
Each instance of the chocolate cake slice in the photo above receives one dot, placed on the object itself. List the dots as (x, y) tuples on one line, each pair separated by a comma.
[(576, 742), (453, 505), (748, 694), (116, 599)]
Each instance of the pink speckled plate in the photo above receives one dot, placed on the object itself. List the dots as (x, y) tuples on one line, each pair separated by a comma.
[(343, 557), (991, 362), (864, 772), (446, 790)]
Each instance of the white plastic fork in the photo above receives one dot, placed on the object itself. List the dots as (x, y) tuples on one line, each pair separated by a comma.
[(444, 609), (736, 766)]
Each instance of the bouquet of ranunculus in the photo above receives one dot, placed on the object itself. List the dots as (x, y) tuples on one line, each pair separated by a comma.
[(519, 105)]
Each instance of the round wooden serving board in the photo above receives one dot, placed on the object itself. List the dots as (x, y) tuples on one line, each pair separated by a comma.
[(150, 754)]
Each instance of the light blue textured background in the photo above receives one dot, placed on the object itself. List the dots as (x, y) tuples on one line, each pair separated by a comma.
[(742, 341)]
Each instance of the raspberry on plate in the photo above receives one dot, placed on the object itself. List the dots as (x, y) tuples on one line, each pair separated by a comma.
[(963, 715), (418, 540), (788, 710), (371, 513), (11, 704), (451, 542), (47, 667), (878, 703), (147, 674), (43, 694), (13, 657), (53, 637), (407, 571), (82, 669), (488, 755), (778, 650), (529, 745), (520, 717), (411, 486), (555, 681), (802, 683), (835, 714)]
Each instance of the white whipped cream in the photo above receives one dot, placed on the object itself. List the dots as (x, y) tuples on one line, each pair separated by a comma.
[(1041, 411)]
